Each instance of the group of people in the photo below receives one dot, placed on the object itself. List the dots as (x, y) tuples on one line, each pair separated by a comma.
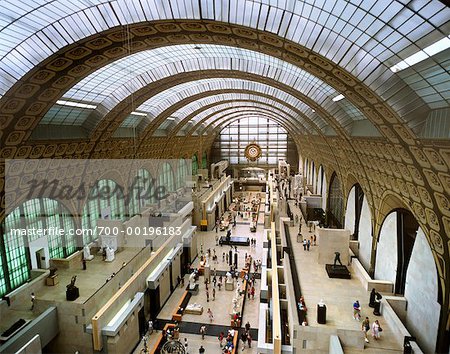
[(308, 243), (253, 242), (365, 326), (257, 265)]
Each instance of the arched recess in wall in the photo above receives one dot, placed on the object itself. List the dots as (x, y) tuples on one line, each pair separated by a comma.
[(313, 181), (166, 177), (105, 201), (335, 210), (182, 173), (395, 244), (353, 210), (204, 160), (322, 186), (142, 192), (23, 250), (404, 257), (194, 165)]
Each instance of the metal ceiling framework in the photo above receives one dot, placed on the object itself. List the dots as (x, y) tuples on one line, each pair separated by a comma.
[(71, 51)]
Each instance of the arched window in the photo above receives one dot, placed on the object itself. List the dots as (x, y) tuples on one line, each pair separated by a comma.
[(165, 178), (182, 173), (142, 192), (106, 198), (42, 215), (194, 165), (204, 160)]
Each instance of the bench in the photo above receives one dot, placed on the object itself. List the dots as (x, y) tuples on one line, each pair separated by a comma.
[(179, 311), (71, 262), (160, 342)]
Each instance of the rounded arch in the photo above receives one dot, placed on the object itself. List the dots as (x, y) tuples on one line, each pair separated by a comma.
[(182, 173), (335, 210), (194, 165), (166, 177), (22, 248), (353, 208)]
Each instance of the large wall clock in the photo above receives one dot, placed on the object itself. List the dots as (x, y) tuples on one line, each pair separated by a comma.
[(253, 152)]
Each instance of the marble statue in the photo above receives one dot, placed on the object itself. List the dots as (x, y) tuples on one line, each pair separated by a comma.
[(109, 254), (192, 281), (87, 253), (206, 260), (229, 277), (238, 292), (235, 304)]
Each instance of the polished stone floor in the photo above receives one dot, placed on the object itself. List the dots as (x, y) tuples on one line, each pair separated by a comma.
[(338, 294)]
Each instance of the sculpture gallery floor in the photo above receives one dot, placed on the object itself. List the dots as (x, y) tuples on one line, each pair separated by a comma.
[(222, 305), (338, 294)]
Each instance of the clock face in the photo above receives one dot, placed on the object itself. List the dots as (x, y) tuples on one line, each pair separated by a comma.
[(253, 152)]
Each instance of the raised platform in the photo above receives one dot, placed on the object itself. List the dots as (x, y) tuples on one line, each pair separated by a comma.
[(234, 241), (337, 271)]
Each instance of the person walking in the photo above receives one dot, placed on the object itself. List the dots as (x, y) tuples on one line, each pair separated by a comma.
[(150, 327), (213, 294), (210, 315), (308, 244), (249, 339), (201, 349), (207, 295), (203, 331), (253, 292), (376, 329), (33, 300), (356, 310), (304, 244), (365, 326), (243, 339), (247, 326)]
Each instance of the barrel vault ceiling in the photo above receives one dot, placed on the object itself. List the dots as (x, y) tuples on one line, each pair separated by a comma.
[(153, 79)]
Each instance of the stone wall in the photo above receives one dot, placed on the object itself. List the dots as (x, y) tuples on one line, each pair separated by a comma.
[(386, 260)]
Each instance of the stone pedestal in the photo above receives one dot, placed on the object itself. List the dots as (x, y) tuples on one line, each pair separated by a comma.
[(229, 286), (52, 281)]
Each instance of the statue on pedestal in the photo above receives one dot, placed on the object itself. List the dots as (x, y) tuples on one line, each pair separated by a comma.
[(192, 281), (87, 253), (337, 259), (72, 292), (229, 277), (109, 254), (235, 304)]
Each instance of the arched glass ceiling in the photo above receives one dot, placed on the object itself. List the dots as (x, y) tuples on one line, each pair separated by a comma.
[(218, 120), (365, 37), (165, 99), (216, 115), (222, 109), (114, 82), (234, 98)]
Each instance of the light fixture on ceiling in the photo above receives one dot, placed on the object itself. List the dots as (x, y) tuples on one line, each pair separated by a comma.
[(139, 114), (75, 104), (170, 118), (313, 110), (197, 47), (423, 54), (338, 98)]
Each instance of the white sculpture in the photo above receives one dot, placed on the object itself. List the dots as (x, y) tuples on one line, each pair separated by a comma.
[(87, 253), (229, 277), (238, 292), (109, 254), (192, 281), (206, 260), (235, 304)]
